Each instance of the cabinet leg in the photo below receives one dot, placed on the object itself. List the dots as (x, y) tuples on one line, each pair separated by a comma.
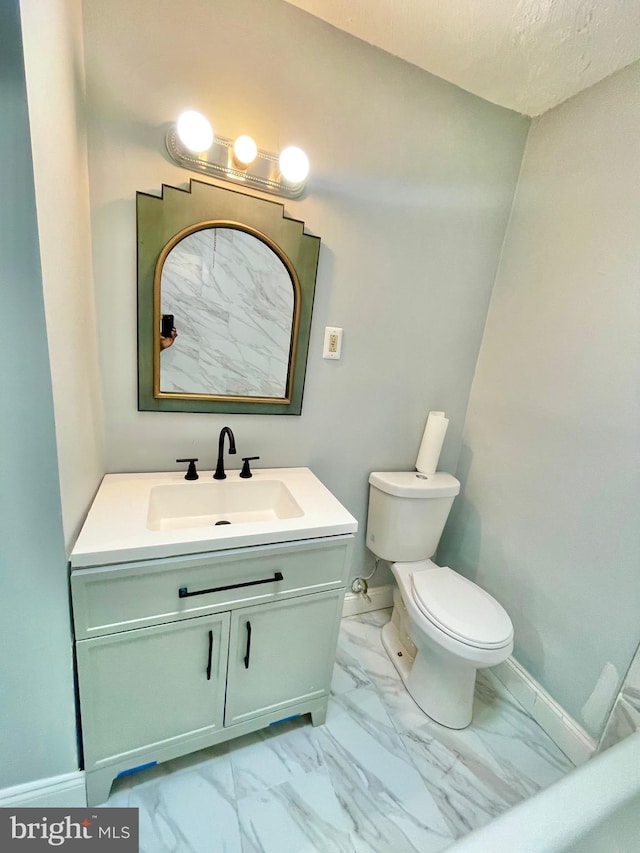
[(318, 717), (98, 784)]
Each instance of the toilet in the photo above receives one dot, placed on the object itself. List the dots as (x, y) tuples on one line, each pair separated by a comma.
[(444, 627)]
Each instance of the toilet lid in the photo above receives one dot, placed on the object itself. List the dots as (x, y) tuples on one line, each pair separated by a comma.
[(460, 608)]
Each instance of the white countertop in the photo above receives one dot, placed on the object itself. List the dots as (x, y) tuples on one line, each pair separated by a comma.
[(116, 529)]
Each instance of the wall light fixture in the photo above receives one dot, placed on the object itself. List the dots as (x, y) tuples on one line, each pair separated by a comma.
[(192, 144)]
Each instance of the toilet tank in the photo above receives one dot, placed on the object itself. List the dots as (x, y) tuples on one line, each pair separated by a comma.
[(407, 513)]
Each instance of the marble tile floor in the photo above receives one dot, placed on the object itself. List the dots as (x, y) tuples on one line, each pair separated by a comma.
[(378, 777)]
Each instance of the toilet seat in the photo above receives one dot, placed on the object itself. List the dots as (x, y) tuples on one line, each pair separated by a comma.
[(460, 609)]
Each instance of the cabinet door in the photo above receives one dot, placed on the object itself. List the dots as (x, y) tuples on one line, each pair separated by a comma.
[(150, 686), (281, 653)]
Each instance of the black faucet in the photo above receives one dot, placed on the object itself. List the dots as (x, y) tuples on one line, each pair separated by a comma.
[(220, 475)]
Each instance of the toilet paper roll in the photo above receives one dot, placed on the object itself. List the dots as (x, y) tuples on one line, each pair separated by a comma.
[(432, 441)]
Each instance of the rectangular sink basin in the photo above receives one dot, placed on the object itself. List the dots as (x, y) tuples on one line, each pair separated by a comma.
[(149, 516), (184, 505)]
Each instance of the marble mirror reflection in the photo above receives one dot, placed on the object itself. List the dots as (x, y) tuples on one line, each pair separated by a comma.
[(232, 298), (235, 277)]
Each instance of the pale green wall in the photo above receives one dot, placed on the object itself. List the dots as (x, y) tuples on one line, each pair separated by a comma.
[(53, 58), (548, 520), (37, 717)]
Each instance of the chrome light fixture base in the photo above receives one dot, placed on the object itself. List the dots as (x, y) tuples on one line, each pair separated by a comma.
[(218, 162)]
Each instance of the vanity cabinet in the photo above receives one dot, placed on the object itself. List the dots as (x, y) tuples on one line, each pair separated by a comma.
[(178, 654)]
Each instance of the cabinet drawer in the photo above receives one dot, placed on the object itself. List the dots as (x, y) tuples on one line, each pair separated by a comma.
[(110, 599)]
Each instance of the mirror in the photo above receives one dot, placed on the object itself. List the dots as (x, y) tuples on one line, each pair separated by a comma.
[(232, 297), (225, 295)]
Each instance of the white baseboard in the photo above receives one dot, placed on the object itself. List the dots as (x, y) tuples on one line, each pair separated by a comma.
[(563, 730), (377, 598), (66, 791)]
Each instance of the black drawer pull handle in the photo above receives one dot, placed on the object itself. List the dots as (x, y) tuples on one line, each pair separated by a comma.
[(248, 652), (184, 593), (210, 655)]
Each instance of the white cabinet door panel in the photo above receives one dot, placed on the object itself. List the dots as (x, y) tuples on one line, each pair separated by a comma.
[(280, 654), (144, 687)]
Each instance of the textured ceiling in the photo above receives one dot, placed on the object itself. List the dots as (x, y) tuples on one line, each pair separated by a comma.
[(527, 55)]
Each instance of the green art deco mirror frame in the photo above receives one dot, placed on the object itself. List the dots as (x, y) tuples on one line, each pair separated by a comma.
[(236, 279)]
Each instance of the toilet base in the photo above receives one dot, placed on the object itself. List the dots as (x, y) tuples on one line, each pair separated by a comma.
[(441, 685)]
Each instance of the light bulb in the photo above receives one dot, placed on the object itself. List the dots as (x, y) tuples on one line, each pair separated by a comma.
[(194, 131), (294, 165), (245, 150)]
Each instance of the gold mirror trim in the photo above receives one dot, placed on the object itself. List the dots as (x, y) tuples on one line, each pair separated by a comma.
[(157, 280)]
